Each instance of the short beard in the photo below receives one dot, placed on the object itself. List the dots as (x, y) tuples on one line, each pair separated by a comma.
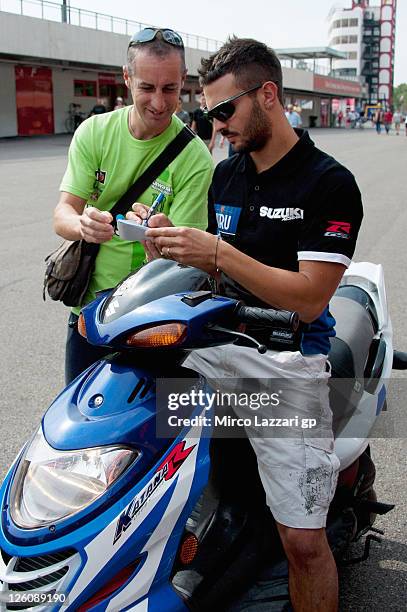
[(257, 130)]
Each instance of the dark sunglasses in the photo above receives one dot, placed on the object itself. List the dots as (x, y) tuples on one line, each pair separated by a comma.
[(148, 34), (224, 110)]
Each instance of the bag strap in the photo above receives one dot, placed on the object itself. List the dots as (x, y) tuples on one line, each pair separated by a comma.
[(170, 152)]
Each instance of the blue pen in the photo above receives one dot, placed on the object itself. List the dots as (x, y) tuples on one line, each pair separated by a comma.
[(154, 207)]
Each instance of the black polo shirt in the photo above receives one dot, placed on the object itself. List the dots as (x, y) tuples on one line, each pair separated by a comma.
[(305, 207)]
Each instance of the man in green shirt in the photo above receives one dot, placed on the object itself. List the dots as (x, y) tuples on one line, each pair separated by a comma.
[(110, 151)]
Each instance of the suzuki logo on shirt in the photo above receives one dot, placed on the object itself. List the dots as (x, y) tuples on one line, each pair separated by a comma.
[(285, 214), (227, 218)]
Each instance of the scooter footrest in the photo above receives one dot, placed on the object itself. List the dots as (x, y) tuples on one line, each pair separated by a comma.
[(374, 506), (366, 552)]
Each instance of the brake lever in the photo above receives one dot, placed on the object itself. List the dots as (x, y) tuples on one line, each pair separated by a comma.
[(261, 348)]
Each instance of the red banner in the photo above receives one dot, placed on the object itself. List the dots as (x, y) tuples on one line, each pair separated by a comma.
[(106, 78), (337, 86)]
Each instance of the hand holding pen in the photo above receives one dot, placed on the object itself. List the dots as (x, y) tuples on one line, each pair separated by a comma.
[(139, 210), (154, 207)]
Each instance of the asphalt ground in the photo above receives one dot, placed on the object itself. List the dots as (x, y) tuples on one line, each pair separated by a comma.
[(32, 332)]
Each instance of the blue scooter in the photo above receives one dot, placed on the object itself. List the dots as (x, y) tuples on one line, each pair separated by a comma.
[(101, 511)]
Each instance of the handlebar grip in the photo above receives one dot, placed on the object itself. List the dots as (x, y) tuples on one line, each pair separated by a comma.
[(268, 317)]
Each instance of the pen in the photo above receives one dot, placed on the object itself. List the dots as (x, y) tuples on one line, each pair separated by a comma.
[(154, 207)]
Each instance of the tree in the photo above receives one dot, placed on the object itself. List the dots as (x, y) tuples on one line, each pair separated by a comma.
[(400, 97)]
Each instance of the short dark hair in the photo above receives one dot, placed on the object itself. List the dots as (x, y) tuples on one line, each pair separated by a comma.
[(158, 47), (250, 61)]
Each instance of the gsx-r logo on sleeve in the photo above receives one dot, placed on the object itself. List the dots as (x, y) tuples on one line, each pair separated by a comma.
[(227, 218)]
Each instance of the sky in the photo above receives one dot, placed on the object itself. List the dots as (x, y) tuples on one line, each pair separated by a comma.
[(279, 23)]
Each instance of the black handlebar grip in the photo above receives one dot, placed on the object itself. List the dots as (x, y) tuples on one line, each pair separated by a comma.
[(268, 317)]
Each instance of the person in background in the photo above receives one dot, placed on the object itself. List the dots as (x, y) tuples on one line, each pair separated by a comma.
[(99, 108), (181, 113), (119, 103), (387, 120), (397, 118), (202, 126), (109, 152), (378, 120), (293, 117), (353, 117), (340, 119)]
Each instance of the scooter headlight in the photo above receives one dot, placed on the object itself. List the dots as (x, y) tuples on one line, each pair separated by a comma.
[(50, 485)]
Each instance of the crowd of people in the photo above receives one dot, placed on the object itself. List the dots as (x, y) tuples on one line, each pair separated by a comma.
[(351, 118), (386, 119), (380, 118)]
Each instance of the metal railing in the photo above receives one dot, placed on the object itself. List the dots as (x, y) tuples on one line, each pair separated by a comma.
[(316, 69), (53, 11)]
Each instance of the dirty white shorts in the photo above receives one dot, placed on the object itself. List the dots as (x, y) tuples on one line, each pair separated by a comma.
[(299, 473)]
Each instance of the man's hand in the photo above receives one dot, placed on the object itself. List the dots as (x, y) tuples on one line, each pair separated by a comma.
[(186, 245), (74, 221), (140, 214), (95, 225)]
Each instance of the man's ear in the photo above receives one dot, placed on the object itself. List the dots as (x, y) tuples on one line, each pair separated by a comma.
[(270, 94), (126, 76), (183, 77)]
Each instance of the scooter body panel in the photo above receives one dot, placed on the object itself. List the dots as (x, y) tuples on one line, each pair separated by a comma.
[(354, 438)]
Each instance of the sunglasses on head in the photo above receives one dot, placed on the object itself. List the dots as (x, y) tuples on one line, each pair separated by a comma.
[(224, 110), (148, 34)]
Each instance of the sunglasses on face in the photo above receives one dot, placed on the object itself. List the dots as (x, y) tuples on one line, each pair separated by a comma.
[(224, 110), (148, 34)]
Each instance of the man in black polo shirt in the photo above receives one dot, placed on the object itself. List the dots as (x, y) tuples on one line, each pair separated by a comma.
[(284, 222)]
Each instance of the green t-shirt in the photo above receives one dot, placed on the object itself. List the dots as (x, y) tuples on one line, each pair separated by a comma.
[(105, 160)]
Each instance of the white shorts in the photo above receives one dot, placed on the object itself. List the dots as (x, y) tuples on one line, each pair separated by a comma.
[(299, 474)]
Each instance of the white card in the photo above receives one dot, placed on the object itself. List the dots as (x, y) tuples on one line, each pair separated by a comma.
[(131, 230)]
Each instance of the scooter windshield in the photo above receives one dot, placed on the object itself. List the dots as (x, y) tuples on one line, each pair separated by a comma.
[(156, 279)]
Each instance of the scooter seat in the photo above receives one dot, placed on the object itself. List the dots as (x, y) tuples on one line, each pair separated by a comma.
[(354, 335), (348, 357)]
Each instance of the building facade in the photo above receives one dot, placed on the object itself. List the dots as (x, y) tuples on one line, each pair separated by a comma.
[(365, 32), (54, 68), (51, 69)]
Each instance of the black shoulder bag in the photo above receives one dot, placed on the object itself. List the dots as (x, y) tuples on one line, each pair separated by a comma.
[(69, 267)]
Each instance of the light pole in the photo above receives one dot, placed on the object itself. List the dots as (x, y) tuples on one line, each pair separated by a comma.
[(66, 17)]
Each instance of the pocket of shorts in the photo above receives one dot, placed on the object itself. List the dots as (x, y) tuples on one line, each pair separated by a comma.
[(321, 473), (315, 368)]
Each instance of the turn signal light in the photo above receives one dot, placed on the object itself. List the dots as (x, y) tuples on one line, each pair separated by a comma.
[(169, 334), (82, 326), (188, 550)]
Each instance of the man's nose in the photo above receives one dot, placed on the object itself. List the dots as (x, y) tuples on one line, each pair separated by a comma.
[(158, 101), (219, 125)]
